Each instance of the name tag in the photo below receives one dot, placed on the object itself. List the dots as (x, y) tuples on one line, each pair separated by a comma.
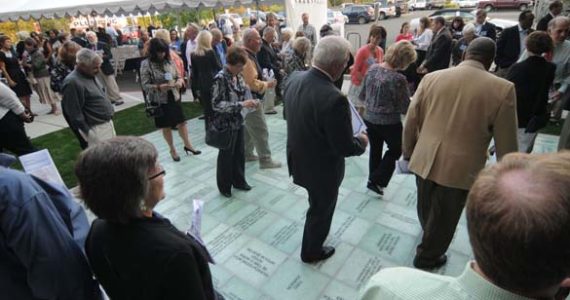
[(168, 76), (483, 33), (462, 47)]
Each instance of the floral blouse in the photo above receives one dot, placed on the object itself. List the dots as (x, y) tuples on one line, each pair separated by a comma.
[(157, 73), (58, 74), (228, 94)]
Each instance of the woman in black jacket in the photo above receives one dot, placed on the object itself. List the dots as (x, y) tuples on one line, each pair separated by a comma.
[(532, 78), (205, 65), (134, 252)]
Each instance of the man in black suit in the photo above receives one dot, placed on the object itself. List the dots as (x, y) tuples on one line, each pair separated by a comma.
[(439, 51), (484, 28), (319, 137), (510, 45), (555, 9), (268, 59)]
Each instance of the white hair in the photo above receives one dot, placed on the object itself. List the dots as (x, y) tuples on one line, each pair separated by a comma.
[(557, 21), (268, 30), (90, 33), (288, 31), (87, 57), (248, 34), (301, 44), (331, 52), (468, 28)]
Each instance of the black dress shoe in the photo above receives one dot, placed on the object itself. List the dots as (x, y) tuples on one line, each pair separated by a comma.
[(226, 194), (245, 187), (326, 252), (375, 188), (429, 264)]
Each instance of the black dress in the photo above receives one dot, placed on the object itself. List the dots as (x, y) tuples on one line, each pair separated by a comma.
[(13, 68), (172, 114)]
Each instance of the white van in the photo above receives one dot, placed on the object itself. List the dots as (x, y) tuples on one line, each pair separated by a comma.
[(417, 4)]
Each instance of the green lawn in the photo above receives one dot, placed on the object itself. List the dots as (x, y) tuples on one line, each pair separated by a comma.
[(64, 148)]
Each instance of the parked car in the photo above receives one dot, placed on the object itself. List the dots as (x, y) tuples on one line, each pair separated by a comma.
[(261, 16), (431, 4), (334, 16), (490, 5), (237, 18), (385, 10), (360, 14), (417, 4), (467, 3)]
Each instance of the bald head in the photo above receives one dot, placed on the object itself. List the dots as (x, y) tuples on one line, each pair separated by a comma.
[(481, 49)]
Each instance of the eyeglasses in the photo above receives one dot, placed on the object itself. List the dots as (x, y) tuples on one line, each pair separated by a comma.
[(161, 173)]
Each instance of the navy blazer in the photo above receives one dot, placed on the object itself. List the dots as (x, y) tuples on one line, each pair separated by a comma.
[(489, 30), (508, 47), (439, 51)]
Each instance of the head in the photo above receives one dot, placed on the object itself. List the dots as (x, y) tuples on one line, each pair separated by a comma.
[(481, 49), (217, 36), (302, 46), (287, 34), (35, 36), (405, 28), (53, 34), (120, 178), (192, 31), (63, 37), (269, 34), (173, 35), (326, 30), (438, 23), (376, 35), (30, 44), (67, 53), (73, 31), (236, 58), (299, 34), (425, 22), (145, 36), (91, 37), (518, 215), (481, 16), (88, 62), (204, 43), (558, 29), (400, 55), (458, 23), (22, 35), (305, 18), (251, 40), (158, 50), (555, 7), (5, 42), (539, 42), (163, 34), (526, 18), (469, 31), (331, 55), (271, 19)]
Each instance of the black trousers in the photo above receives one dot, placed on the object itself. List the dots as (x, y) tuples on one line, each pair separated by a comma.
[(322, 202), (439, 210), (231, 164), (381, 167), (13, 135)]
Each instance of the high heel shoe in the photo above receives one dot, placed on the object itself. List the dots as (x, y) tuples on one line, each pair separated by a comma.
[(195, 152), (175, 157)]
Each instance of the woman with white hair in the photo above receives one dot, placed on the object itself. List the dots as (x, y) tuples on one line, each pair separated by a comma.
[(205, 65), (463, 43), (287, 36)]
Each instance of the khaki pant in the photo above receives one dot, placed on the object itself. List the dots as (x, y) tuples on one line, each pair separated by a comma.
[(526, 140), (111, 87), (99, 133), (564, 142), (269, 99), (256, 134)]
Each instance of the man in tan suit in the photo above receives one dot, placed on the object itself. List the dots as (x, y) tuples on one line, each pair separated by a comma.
[(449, 124)]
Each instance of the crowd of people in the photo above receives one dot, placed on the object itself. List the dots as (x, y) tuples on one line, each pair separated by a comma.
[(437, 76)]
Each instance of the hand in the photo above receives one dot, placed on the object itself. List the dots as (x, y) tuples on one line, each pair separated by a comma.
[(363, 139), (26, 117), (251, 103), (179, 84), (11, 83), (271, 84), (421, 70), (556, 96)]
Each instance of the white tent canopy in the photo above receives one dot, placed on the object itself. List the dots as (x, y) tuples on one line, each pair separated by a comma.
[(36, 9)]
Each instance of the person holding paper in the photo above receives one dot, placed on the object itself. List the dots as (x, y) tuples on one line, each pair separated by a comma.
[(386, 97), (319, 137), (134, 252), (13, 114), (229, 94)]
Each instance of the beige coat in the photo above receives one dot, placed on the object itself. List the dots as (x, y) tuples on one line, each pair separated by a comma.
[(451, 120)]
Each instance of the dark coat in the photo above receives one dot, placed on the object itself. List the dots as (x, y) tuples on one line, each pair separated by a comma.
[(267, 58), (439, 51), (532, 78), (204, 68), (106, 67), (543, 23), (319, 130), (489, 30), (508, 47)]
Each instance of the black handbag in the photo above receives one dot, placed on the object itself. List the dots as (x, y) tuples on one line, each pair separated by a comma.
[(218, 138)]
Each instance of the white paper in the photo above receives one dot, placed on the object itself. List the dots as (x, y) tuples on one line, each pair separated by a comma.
[(196, 226), (358, 125), (402, 167), (41, 165)]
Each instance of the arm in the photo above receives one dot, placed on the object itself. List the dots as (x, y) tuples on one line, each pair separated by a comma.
[(492, 32), (566, 81), (412, 124), (441, 49), (4, 71), (250, 76), (505, 125), (146, 78), (403, 95), (182, 279), (501, 45), (358, 67), (72, 104), (9, 100), (338, 129)]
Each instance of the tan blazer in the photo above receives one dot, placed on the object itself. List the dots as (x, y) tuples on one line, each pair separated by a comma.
[(451, 120)]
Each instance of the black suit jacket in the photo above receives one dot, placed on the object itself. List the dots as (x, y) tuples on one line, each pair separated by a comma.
[(508, 47), (543, 23), (204, 68), (267, 58), (439, 51), (532, 78), (489, 30), (319, 130), (106, 67)]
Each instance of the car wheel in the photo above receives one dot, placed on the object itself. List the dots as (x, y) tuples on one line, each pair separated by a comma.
[(523, 7), (361, 20), (489, 8), (382, 16), (428, 7)]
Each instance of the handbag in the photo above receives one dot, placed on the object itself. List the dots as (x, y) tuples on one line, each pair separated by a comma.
[(218, 138), (152, 106)]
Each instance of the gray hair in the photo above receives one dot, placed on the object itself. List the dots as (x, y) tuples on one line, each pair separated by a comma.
[(557, 21), (468, 28), (248, 35), (287, 31), (91, 34), (87, 57), (268, 30), (113, 177), (301, 44), (331, 52), (193, 26)]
